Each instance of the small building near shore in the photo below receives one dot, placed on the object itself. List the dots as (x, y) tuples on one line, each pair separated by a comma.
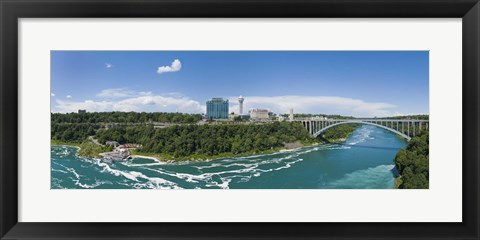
[(112, 143)]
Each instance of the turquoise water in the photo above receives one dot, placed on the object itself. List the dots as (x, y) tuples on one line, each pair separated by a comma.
[(365, 160)]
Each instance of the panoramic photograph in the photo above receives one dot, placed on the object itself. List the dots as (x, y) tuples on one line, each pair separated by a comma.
[(239, 119)]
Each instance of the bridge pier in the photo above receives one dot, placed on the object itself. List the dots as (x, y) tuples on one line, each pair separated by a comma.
[(408, 128), (413, 128)]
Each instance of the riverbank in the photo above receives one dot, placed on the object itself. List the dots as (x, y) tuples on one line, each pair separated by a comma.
[(293, 145), (325, 166), (88, 149), (166, 158), (155, 157), (85, 149), (208, 142), (398, 182), (340, 140), (58, 142)]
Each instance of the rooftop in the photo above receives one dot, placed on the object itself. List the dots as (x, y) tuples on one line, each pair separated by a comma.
[(218, 100), (260, 110)]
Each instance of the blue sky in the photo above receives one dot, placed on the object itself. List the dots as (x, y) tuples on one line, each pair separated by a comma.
[(356, 83)]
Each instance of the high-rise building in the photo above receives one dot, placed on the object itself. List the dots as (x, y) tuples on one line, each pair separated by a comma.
[(217, 108), (291, 114), (240, 103)]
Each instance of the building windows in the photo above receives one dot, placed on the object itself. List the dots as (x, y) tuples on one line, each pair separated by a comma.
[(259, 114), (217, 108)]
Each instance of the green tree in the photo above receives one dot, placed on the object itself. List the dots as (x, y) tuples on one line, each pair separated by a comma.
[(412, 163)]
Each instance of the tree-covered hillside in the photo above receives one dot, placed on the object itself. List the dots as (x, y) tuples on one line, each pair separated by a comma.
[(338, 133), (412, 163), (185, 138), (124, 117), (208, 140)]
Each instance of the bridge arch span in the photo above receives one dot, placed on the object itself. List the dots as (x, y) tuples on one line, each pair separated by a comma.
[(316, 134)]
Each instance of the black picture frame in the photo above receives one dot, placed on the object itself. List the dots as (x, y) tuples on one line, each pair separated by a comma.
[(12, 10)]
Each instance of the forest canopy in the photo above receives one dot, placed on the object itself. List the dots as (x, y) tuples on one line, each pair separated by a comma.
[(186, 138), (412, 163), (208, 140), (124, 117)]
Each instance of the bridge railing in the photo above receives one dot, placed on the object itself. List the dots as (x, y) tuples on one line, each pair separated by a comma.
[(404, 127), (360, 119)]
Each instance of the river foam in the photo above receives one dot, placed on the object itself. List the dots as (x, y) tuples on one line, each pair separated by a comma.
[(363, 161)]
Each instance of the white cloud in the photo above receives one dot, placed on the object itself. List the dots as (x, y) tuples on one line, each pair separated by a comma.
[(145, 103), (69, 96), (315, 104), (124, 99), (116, 93), (52, 94), (108, 65), (174, 67)]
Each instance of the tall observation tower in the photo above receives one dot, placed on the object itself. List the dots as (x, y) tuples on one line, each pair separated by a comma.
[(240, 102)]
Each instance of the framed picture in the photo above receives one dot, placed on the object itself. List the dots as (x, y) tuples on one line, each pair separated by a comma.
[(239, 119)]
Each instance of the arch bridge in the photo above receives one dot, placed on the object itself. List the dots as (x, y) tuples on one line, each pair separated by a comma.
[(407, 128)]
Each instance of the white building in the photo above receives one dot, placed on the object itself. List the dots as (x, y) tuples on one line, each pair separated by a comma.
[(259, 114), (240, 105)]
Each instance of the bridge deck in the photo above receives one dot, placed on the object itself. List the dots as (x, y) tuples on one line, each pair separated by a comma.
[(403, 127)]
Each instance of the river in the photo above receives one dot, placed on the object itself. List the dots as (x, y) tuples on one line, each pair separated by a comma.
[(364, 160)]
